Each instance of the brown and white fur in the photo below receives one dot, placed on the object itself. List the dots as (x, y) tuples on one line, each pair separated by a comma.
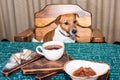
[(66, 29)]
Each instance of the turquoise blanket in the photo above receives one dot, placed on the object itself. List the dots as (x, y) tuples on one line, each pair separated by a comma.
[(100, 52)]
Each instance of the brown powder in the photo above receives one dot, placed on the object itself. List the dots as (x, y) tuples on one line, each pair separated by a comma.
[(84, 72)]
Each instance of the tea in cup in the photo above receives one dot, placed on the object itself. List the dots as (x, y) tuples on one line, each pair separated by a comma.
[(52, 50)]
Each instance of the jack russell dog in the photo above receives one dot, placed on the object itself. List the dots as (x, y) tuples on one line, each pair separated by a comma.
[(65, 31)]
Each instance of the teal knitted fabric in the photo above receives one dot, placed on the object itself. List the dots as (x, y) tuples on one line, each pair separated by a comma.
[(99, 52)]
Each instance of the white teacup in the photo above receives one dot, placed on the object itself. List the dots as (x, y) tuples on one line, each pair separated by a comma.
[(52, 50)]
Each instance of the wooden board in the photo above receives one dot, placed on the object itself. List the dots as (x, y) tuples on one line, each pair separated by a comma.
[(43, 65), (7, 72), (25, 36), (47, 75), (83, 34), (97, 36), (41, 32), (49, 13)]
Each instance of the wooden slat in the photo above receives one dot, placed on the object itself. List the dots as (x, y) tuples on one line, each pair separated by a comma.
[(47, 75), (41, 32), (98, 36), (83, 34), (51, 12), (25, 35), (7, 72), (48, 66)]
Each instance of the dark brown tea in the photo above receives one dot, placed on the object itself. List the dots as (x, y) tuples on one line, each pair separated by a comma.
[(53, 47)]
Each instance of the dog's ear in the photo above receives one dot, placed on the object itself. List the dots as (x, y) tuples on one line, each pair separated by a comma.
[(57, 20), (77, 18)]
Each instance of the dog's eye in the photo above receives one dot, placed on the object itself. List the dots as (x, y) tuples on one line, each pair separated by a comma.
[(66, 23), (74, 21)]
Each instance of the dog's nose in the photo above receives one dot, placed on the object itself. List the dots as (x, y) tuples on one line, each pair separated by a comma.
[(74, 31)]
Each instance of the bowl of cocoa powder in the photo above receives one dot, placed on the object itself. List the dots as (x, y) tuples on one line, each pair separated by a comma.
[(85, 70)]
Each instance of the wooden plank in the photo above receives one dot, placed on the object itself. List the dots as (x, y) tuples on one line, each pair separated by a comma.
[(7, 72), (43, 65), (41, 32), (97, 36), (51, 12), (47, 75), (83, 34), (25, 35)]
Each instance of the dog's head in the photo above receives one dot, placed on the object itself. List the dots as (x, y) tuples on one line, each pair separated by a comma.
[(68, 23)]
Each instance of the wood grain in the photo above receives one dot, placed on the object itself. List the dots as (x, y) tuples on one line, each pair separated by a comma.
[(25, 36), (97, 36), (51, 12), (7, 72), (44, 65)]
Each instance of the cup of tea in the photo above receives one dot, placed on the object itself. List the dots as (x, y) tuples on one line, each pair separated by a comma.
[(52, 50)]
